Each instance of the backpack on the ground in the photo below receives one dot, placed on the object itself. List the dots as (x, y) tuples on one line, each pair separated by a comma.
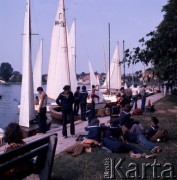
[(160, 135), (137, 111)]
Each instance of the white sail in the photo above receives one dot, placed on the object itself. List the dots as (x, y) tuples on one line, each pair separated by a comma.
[(98, 81), (58, 72), (94, 81), (72, 56), (115, 71), (37, 71), (27, 112)]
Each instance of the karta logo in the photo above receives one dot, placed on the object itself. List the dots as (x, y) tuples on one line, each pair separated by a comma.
[(119, 169)]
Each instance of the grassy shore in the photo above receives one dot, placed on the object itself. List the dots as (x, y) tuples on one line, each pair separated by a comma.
[(93, 165)]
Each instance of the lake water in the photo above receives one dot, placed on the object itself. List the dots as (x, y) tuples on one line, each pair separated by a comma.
[(9, 104)]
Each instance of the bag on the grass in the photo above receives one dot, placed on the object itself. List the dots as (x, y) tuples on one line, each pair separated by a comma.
[(160, 135), (137, 111)]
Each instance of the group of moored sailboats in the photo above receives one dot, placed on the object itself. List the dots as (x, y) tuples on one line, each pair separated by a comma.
[(62, 65)]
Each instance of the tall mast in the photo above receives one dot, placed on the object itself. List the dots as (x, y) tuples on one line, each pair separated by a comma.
[(109, 59), (75, 41), (64, 18), (105, 68)]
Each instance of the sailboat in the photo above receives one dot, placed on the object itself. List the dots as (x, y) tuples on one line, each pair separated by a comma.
[(27, 112), (94, 81), (61, 70), (37, 70), (115, 75), (58, 72)]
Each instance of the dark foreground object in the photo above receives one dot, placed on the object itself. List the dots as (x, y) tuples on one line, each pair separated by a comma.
[(36, 157)]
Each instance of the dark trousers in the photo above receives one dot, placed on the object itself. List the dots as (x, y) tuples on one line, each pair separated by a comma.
[(76, 108), (83, 111), (65, 115), (134, 101), (118, 146), (42, 120), (91, 112), (143, 102)]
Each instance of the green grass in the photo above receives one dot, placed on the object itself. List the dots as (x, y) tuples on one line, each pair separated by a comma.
[(90, 166)]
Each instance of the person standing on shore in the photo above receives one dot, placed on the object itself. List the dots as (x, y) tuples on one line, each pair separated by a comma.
[(83, 102), (42, 118), (143, 98), (76, 101), (66, 100), (135, 92)]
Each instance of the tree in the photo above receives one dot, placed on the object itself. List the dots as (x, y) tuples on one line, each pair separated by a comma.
[(160, 48), (6, 71), (16, 77)]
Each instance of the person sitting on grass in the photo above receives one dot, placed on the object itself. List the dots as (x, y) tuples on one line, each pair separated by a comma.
[(153, 128), (118, 146), (95, 130), (139, 139), (125, 116)]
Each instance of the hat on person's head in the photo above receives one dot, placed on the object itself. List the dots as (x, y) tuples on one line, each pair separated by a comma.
[(154, 120), (66, 88)]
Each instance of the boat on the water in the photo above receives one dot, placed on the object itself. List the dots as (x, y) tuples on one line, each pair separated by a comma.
[(27, 115)]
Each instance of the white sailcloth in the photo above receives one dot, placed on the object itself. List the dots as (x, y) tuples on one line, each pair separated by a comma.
[(98, 81), (115, 71), (58, 72), (37, 72), (94, 81), (27, 112), (72, 56)]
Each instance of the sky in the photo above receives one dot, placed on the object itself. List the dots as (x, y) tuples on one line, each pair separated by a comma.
[(130, 20)]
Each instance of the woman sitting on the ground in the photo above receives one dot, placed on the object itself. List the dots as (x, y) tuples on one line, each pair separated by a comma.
[(140, 139)]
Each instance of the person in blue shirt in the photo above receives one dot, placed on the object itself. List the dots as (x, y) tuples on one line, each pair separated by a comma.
[(66, 100), (153, 128)]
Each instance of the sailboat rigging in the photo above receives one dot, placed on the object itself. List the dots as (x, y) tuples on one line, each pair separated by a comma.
[(58, 72)]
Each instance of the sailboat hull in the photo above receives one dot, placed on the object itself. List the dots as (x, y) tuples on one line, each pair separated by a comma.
[(56, 113)]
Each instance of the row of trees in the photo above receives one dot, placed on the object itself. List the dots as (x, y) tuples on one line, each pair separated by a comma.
[(159, 47)]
